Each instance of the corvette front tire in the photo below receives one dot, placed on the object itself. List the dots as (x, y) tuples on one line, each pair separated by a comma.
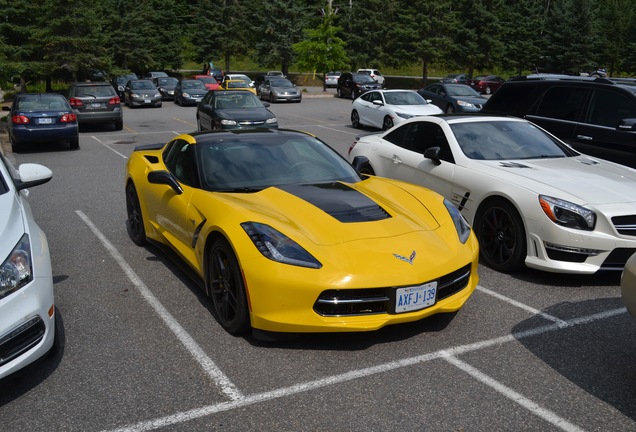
[(226, 288), (135, 221)]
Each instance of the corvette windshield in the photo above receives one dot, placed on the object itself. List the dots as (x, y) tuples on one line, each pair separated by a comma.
[(502, 140), (250, 163)]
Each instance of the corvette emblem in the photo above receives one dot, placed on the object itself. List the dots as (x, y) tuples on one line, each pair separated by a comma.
[(405, 259)]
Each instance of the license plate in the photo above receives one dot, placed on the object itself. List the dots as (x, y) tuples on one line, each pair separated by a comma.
[(45, 121), (415, 298), (147, 101), (96, 105)]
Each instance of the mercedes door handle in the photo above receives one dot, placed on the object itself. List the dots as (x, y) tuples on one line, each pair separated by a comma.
[(584, 137), (396, 159)]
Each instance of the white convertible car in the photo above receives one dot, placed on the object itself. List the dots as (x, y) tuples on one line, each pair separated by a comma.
[(531, 198)]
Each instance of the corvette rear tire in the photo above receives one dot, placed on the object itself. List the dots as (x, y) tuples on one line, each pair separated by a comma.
[(501, 235), (225, 282), (135, 221)]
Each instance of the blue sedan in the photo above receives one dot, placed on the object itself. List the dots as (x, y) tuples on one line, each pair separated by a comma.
[(41, 118)]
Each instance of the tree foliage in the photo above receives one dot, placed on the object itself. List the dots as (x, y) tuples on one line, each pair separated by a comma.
[(44, 40)]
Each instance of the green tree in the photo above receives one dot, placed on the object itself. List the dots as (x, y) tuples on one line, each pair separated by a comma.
[(73, 39), (365, 25), (421, 33), (322, 50), (614, 31), (522, 23), (478, 37), (277, 33)]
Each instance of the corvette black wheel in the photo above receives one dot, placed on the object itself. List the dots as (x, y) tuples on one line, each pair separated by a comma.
[(502, 238), (226, 288), (135, 221)]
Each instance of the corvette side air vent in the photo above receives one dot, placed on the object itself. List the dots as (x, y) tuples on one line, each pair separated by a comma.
[(152, 159), (339, 201)]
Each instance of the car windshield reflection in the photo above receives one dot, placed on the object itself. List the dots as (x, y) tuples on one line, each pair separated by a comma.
[(502, 140)]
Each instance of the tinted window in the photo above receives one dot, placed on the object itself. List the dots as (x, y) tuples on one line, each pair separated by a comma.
[(420, 136), (180, 161), (608, 108), (509, 98), (562, 103)]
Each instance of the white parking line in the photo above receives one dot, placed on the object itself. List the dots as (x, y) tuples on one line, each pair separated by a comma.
[(208, 366), (523, 306), (109, 147), (531, 406), (196, 413)]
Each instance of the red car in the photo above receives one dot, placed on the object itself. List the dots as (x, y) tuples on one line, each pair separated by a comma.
[(210, 82), (486, 84)]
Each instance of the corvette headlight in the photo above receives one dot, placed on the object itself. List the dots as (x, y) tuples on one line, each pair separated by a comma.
[(461, 225), (17, 270), (568, 214), (404, 115), (465, 104), (278, 247), (228, 122), (271, 120)]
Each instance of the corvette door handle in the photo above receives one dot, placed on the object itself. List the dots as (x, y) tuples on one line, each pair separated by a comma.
[(396, 159), (584, 137)]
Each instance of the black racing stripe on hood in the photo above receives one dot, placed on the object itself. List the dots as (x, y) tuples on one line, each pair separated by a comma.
[(340, 201)]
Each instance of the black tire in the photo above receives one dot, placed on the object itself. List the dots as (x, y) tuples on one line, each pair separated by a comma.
[(353, 95), (501, 235), (135, 221), (15, 148), (74, 143), (119, 125), (450, 109), (271, 97), (225, 282), (387, 123), (355, 119), (199, 127), (339, 92)]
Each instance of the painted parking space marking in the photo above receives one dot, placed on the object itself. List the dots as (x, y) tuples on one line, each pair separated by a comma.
[(208, 366), (516, 397), (523, 306)]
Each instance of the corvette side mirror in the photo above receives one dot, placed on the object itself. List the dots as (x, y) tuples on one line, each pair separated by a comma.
[(164, 177)]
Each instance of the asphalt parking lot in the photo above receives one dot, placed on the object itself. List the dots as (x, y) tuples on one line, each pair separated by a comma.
[(141, 350)]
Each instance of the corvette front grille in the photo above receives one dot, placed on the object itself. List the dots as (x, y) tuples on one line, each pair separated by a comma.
[(371, 301)]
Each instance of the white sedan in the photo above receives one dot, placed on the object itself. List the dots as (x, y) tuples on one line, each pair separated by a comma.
[(27, 309), (383, 109), (531, 198)]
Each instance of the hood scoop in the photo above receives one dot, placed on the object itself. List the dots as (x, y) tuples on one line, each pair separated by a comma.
[(513, 165), (339, 201)]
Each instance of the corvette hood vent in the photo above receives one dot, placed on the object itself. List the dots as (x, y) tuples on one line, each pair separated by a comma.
[(340, 201)]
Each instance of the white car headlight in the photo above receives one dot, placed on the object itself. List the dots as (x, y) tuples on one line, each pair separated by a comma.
[(278, 247), (404, 115), (568, 214), (228, 122), (17, 270), (465, 104), (461, 225), (271, 120)]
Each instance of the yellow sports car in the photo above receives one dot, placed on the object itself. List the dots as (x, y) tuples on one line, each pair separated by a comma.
[(286, 236), (237, 85)]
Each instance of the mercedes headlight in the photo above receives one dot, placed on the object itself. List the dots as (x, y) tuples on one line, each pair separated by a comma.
[(17, 270), (278, 247), (461, 225), (568, 214)]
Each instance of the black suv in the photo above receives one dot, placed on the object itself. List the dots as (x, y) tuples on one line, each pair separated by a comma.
[(589, 113), (353, 84), (96, 102)]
